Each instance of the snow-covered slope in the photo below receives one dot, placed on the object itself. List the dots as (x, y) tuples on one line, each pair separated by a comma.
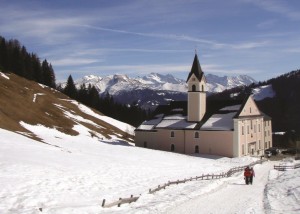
[(155, 89), (27, 102), (73, 174), (219, 84), (263, 92)]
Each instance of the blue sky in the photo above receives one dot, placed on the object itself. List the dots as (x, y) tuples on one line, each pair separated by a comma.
[(259, 38)]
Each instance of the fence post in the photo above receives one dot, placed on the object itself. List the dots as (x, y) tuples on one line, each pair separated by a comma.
[(103, 203), (119, 204)]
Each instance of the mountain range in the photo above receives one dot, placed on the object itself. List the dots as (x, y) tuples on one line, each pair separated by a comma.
[(154, 89)]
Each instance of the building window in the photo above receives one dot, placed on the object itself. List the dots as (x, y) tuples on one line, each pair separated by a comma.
[(242, 130), (250, 110), (202, 87), (193, 79), (197, 149), (193, 88), (172, 134), (258, 127), (145, 144), (251, 124), (196, 134), (172, 148), (254, 128), (243, 149), (259, 144), (248, 129)]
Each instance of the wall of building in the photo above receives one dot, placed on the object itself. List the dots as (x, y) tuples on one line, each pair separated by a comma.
[(268, 142), (165, 140), (146, 139), (192, 140), (250, 134), (216, 143)]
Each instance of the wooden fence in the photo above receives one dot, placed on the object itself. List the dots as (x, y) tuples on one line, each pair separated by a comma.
[(229, 173), (284, 168)]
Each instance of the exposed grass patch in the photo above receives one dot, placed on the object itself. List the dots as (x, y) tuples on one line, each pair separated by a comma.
[(32, 103)]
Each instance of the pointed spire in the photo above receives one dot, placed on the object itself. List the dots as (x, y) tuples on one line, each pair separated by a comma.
[(196, 69)]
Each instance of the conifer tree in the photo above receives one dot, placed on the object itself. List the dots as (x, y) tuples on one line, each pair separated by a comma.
[(70, 88), (48, 74)]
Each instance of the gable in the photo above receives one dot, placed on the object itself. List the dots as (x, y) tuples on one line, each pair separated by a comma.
[(249, 108)]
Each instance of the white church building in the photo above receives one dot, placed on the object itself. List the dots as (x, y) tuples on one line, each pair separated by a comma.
[(233, 130)]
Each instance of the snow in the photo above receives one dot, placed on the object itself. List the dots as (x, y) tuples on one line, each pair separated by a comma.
[(279, 133), (263, 92), (72, 174), (4, 76), (231, 108), (176, 124), (35, 95), (219, 122), (118, 124)]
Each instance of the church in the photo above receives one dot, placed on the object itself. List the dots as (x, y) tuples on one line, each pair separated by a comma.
[(230, 129)]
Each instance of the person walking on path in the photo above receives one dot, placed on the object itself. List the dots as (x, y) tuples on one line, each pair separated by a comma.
[(252, 175), (247, 175)]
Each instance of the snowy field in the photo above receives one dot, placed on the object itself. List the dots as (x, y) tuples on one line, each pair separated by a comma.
[(73, 174)]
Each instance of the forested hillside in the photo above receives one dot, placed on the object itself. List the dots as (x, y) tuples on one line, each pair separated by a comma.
[(14, 58)]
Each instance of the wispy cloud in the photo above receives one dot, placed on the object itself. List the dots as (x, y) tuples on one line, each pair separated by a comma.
[(73, 61), (279, 7), (267, 24)]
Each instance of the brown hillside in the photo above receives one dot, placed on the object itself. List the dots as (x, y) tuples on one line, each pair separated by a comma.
[(32, 103)]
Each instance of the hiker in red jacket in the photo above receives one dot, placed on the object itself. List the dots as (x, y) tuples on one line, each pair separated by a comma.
[(247, 174)]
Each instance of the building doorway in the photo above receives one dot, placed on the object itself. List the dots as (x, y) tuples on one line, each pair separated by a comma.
[(197, 149), (145, 144), (172, 148)]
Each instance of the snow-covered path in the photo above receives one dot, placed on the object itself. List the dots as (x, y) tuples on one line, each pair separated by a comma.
[(233, 197)]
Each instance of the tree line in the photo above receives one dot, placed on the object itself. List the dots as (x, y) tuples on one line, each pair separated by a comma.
[(16, 59)]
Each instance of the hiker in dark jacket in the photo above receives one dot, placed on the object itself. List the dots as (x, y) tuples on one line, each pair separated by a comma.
[(252, 175)]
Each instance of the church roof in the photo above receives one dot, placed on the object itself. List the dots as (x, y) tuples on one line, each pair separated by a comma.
[(196, 69), (173, 116)]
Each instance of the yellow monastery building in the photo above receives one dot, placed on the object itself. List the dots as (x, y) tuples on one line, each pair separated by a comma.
[(233, 130)]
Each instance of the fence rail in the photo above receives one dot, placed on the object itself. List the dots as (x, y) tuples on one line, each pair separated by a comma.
[(229, 173), (284, 168)]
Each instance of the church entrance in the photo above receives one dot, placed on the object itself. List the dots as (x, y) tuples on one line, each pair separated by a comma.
[(172, 148), (197, 149)]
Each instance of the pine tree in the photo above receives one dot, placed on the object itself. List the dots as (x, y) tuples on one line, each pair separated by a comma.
[(70, 88), (48, 74)]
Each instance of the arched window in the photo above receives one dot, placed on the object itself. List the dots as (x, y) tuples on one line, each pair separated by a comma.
[(172, 134), (197, 149), (196, 134), (145, 144), (202, 87), (193, 88), (172, 148)]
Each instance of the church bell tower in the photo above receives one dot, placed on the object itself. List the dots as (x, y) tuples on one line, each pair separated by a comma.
[(196, 92)]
